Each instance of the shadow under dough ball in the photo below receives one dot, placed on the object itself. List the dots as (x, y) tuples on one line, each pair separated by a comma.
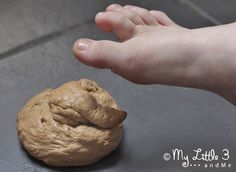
[(74, 125)]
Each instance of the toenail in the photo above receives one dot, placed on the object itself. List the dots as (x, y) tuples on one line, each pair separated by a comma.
[(127, 6), (114, 6), (83, 44), (99, 14)]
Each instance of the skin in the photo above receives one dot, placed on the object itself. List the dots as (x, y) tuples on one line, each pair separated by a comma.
[(158, 51)]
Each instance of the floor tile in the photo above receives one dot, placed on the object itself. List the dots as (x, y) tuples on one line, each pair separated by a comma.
[(224, 11), (160, 118), (24, 21)]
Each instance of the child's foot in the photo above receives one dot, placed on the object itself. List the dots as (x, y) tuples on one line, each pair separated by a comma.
[(153, 49), (149, 49)]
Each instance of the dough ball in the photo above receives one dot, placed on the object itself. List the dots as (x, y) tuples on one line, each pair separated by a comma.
[(74, 125)]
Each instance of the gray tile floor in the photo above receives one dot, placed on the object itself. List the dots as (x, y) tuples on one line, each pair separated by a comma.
[(35, 53)]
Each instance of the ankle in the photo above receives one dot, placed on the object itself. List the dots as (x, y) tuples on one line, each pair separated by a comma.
[(216, 57)]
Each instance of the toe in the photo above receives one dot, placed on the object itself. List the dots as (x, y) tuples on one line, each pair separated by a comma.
[(117, 22), (100, 54), (132, 15), (162, 18), (145, 15), (113, 6)]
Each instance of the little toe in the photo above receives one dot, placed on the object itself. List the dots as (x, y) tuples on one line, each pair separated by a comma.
[(162, 18), (144, 14), (117, 22), (132, 15)]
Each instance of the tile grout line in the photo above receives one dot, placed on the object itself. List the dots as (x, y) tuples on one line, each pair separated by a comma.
[(40, 40), (200, 11)]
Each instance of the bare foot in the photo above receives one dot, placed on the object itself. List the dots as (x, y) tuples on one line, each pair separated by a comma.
[(143, 55), (155, 50)]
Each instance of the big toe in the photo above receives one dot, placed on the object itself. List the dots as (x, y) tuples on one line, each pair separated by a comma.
[(100, 54)]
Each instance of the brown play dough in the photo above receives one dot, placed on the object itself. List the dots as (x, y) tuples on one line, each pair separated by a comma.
[(74, 125)]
